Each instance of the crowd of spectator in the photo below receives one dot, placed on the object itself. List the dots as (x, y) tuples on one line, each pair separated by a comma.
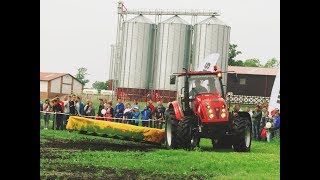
[(260, 116), (72, 105)]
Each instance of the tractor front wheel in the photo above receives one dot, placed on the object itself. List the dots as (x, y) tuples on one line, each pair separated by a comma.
[(185, 133)]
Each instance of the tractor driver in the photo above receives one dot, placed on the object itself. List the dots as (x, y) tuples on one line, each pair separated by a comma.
[(198, 89)]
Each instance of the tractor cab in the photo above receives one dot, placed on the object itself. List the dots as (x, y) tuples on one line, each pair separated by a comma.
[(199, 86), (201, 93)]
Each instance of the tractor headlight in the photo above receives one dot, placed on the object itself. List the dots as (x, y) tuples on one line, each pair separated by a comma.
[(211, 116), (219, 75), (210, 111), (223, 110), (223, 115)]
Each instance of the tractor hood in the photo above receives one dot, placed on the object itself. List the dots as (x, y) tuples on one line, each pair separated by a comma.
[(211, 108)]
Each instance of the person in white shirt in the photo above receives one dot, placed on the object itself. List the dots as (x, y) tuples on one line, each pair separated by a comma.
[(66, 110), (248, 110)]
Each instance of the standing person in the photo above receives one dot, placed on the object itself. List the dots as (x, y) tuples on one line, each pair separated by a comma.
[(41, 108), (235, 110), (60, 102), (109, 111), (46, 108), (135, 115), (127, 114), (145, 116), (234, 113), (90, 110), (264, 117), (59, 117), (72, 106), (119, 110), (105, 102), (158, 118), (152, 110), (86, 106), (162, 108), (151, 106), (101, 106), (136, 104), (248, 110), (80, 107), (256, 119), (66, 100), (275, 128)]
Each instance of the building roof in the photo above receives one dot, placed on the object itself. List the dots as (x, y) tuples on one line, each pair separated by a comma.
[(48, 76), (254, 70)]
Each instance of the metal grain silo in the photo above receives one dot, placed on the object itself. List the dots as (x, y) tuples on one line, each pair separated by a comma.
[(172, 51), (136, 53), (211, 36)]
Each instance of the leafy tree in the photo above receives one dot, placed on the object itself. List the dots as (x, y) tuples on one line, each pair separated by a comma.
[(272, 63), (233, 52), (252, 63), (81, 75), (238, 63), (100, 85)]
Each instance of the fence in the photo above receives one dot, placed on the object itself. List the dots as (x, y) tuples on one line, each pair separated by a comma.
[(151, 122), (249, 100)]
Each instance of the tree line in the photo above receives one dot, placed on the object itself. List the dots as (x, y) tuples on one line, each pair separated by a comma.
[(233, 52)]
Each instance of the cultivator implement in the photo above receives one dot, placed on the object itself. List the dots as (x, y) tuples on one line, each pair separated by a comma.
[(113, 129)]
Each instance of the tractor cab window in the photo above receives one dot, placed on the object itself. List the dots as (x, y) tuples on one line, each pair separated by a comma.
[(204, 84)]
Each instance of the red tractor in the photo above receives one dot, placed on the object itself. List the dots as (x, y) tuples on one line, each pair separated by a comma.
[(201, 111)]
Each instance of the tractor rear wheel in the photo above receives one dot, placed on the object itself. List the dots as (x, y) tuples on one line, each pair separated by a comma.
[(171, 131), (242, 132), (185, 133)]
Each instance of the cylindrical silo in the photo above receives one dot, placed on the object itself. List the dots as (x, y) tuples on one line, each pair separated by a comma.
[(172, 51), (136, 53), (211, 36)]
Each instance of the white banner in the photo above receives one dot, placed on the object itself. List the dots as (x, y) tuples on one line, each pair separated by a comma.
[(207, 65), (275, 94), (208, 62)]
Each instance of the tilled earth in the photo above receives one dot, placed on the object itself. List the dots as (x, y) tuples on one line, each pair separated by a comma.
[(53, 149)]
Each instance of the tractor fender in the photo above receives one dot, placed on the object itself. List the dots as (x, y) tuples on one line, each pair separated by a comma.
[(177, 110)]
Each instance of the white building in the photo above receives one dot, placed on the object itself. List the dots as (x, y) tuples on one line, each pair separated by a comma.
[(52, 84)]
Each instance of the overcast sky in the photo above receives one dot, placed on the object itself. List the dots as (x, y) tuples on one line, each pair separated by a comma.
[(78, 33)]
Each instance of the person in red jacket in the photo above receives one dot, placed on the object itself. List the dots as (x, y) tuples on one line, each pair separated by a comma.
[(60, 102), (151, 109)]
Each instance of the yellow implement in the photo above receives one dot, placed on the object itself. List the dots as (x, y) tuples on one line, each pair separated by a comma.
[(137, 133)]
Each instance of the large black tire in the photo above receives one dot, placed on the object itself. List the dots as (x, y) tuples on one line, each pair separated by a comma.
[(223, 142), (171, 131), (242, 132), (186, 136)]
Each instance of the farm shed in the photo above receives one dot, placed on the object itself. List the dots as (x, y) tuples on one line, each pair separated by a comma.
[(52, 84), (251, 81)]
